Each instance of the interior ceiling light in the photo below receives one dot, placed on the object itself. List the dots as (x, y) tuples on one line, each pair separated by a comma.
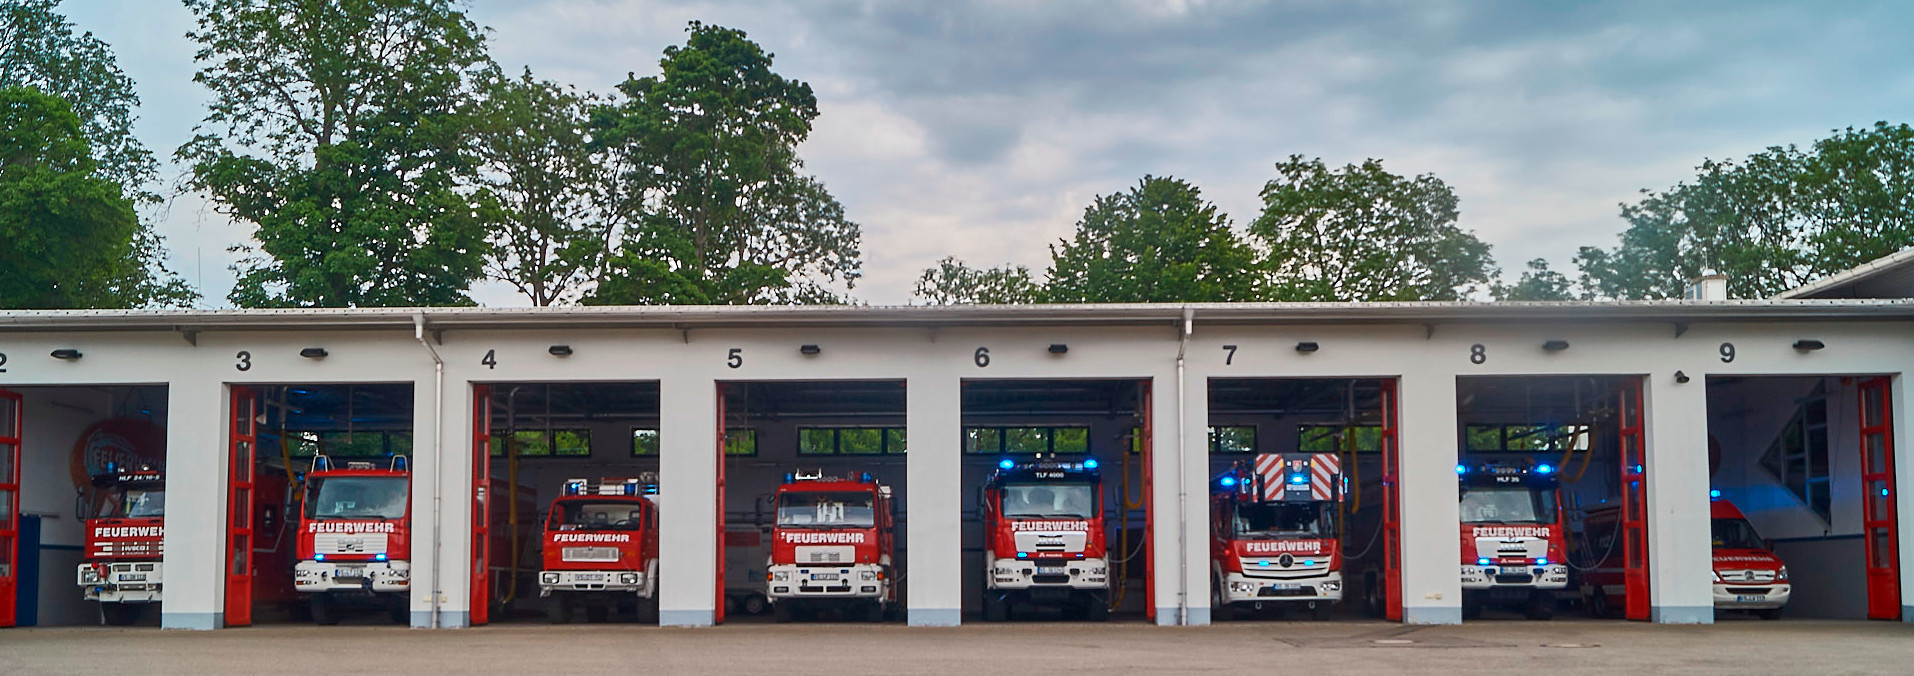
[(809, 350), (1556, 345), (1308, 346), (560, 350), (313, 353), (1059, 348), (68, 354), (1809, 345)]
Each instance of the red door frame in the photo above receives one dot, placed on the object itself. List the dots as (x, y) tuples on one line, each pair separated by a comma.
[(1634, 478), (10, 432), (1878, 523), (1391, 507), (1149, 501), (717, 616), (481, 610), (242, 462)]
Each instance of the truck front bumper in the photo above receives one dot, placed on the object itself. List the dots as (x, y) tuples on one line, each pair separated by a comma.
[(1492, 577), (1752, 596), (615, 581), (1011, 574), (857, 580), (312, 577), (1240, 588), (121, 582)]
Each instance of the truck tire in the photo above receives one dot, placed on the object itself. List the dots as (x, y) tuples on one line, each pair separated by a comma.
[(1541, 605), (325, 610), (1598, 605), (648, 611), (1322, 611), (1220, 611), (995, 608), (120, 614), (754, 605), (781, 612), (556, 610)]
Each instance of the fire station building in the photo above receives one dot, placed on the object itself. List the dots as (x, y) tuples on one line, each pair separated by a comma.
[(1791, 409)]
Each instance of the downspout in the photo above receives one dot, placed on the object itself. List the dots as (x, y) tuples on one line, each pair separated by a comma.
[(438, 457), (1182, 482)]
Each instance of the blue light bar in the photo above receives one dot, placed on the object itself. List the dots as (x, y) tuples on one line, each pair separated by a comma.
[(1227, 481), (1298, 479), (1714, 493), (1089, 463), (1541, 561), (1023, 555), (1006, 463), (378, 557), (1481, 562), (1544, 468), (319, 557), (1461, 469)]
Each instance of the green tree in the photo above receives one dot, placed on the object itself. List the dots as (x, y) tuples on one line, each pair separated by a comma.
[(1537, 283), (1776, 220), (69, 236), (1360, 233), (721, 214), (544, 193), (954, 283), (336, 129), (38, 49), (1158, 242)]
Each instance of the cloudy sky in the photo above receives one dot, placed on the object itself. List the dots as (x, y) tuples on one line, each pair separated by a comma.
[(982, 129)]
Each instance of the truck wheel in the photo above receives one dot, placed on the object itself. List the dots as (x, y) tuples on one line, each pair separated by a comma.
[(325, 611), (995, 608), (1373, 598), (1219, 611), (1769, 614), (556, 611), (754, 605), (1541, 605), (1322, 611), (401, 611), (120, 614), (1598, 605), (648, 611), (781, 612)]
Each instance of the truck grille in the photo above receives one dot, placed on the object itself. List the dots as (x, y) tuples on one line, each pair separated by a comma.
[(349, 543), (1749, 590), (589, 554), (1747, 575)]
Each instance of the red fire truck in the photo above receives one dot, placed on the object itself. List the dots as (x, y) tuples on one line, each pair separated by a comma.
[(121, 567), (1513, 537), (831, 546), (601, 549), (1274, 538), (1044, 540), (1747, 574), (354, 538)]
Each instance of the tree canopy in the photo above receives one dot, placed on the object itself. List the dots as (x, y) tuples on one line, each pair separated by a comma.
[(954, 283), (69, 236), (337, 130), (38, 49), (1360, 233), (722, 213), (1157, 242)]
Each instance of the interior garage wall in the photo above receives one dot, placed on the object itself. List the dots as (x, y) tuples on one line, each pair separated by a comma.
[(1825, 557)]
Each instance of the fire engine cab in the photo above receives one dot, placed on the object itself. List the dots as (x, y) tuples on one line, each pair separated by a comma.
[(601, 549), (831, 546), (121, 567), (1044, 541), (1747, 574), (1513, 537), (353, 538), (1275, 538)]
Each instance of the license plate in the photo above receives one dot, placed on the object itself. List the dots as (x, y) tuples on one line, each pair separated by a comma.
[(823, 576), (589, 577), (1288, 585), (350, 571), (1050, 570), (1750, 598)]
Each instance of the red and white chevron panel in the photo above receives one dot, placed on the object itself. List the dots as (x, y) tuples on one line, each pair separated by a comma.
[(1269, 466), (1322, 476)]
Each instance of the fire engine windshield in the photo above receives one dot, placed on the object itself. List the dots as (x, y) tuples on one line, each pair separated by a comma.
[(1276, 519), (142, 503), (356, 497), (1050, 500), (826, 509), (1736, 534), (599, 516), (1506, 504)]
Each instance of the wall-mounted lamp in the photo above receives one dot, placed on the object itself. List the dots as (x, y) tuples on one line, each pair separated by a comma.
[(1682, 377), (560, 350), (1555, 345), (68, 354), (810, 350), (1809, 345), (313, 353), (1307, 346), (1059, 348)]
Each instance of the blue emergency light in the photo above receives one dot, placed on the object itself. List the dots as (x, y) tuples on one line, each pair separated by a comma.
[(1227, 481), (378, 557), (1089, 463), (1006, 463), (1544, 468), (1541, 561), (1298, 479), (1714, 493), (1461, 469)]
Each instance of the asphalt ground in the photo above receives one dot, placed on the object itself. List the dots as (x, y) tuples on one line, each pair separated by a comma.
[(1561, 647)]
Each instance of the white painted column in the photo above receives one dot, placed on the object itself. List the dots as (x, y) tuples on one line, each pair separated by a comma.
[(1680, 557), (1903, 480), (1431, 549), (688, 497), (450, 468), (195, 580), (1196, 473), (933, 472)]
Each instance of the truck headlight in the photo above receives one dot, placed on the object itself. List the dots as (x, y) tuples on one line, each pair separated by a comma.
[(1331, 586), (89, 575), (627, 578), (867, 575), (1781, 574), (548, 578), (781, 576), (1241, 587)]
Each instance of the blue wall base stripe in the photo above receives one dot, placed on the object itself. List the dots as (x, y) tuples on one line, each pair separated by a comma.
[(1432, 615), (1682, 614), (192, 621), (1907, 613), (454, 619), (1166, 617), (935, 617), (687, 618), (421, 619), (1199, 617)]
